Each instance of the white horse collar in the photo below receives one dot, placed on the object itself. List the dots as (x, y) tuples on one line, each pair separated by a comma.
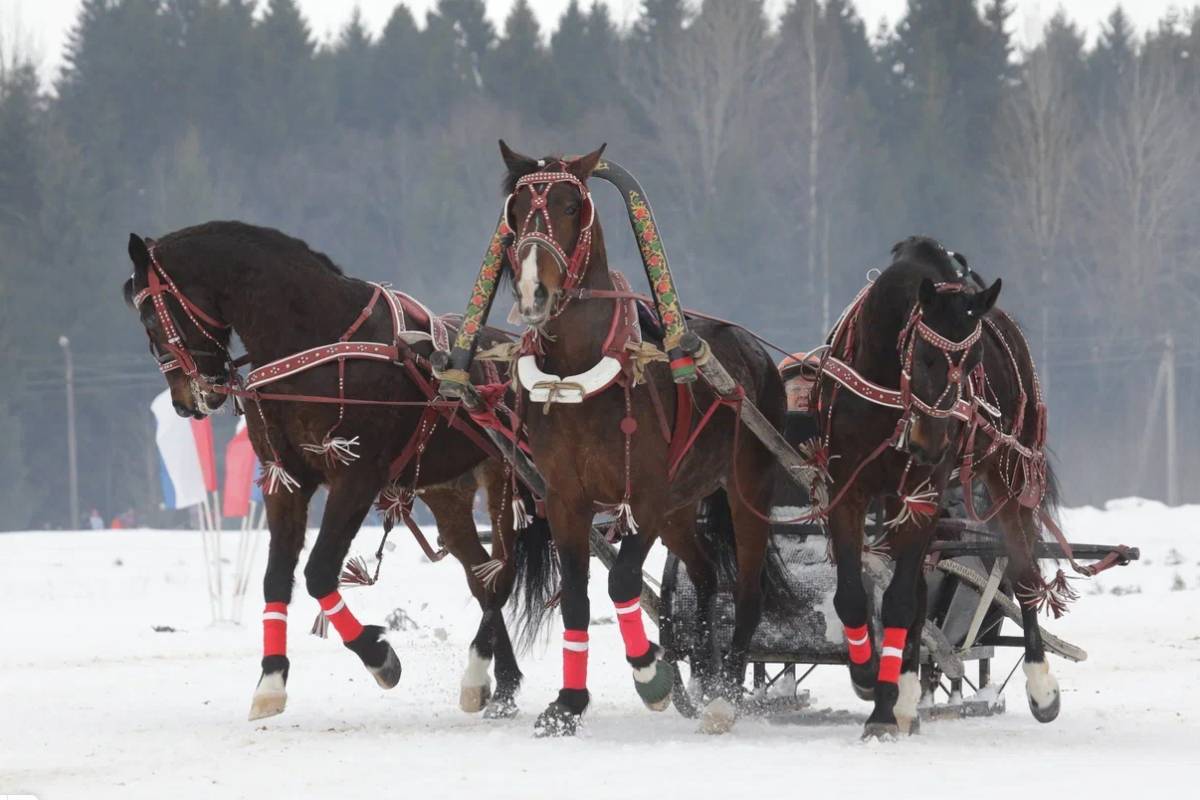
[(573, 389)]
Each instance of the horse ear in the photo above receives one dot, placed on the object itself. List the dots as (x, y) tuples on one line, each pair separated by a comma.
[(517, 164), (139, 254), (982, 302), (582, 167), (927, 292)]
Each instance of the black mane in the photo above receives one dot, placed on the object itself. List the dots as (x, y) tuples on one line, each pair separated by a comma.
[(929, 252), (243, 234)]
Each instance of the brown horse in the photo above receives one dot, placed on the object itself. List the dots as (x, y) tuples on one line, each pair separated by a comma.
[(924, 327), (600, 438), (197, 286)]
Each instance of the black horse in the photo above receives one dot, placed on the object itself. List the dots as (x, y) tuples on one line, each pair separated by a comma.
[(197, 286), (927, 327)]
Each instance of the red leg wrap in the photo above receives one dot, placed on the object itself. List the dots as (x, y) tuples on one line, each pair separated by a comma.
[(575, 658), (633, 629), (334, 607), (275, 629), (891, 654), (858, 641)]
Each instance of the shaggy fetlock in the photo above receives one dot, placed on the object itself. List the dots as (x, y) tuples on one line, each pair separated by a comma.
[(561, 718)]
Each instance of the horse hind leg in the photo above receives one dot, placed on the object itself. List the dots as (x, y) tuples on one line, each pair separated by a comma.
[(350, 497), (681, 538), (286, 516), (1020, 532)]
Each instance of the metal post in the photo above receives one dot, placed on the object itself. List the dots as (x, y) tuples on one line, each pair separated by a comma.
[(72, 452), (1172, 443)]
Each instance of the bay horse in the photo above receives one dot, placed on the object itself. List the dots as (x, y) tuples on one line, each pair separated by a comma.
[(601, 438), (287, 303), (968, 400)]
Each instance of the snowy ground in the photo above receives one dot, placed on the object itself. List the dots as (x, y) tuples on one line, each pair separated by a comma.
[(94, 702)]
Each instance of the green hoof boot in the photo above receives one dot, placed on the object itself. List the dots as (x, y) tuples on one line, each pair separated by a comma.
[(654, 683)]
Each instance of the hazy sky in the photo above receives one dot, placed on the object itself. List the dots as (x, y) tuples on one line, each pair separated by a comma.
[(40, 26)]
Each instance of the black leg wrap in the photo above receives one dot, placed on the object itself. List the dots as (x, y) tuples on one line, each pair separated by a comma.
[(863, 677)]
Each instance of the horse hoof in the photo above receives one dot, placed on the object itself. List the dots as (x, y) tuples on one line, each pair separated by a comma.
[(556, 721), (472, 699), (910, 726), (500, 708), (862, 679), (655, 689), (1041, 690), (887, 731), (270, 696), (718, 717), (388, 675)]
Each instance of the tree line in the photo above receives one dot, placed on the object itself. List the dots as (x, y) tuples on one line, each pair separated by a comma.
[(783, 155)]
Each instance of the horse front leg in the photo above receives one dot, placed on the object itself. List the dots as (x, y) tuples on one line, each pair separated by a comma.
[(350, 497), (570, 526), (653, 678), (899, 617), (850, 599), (287, 513)]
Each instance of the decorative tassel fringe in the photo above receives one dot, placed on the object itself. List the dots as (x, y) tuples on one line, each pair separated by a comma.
[(1053, 597), (488, 572), (916, 507), (521, 519), (274, 476), (393, 502), (320, 626), (816, 459), (336, 450), (625, 523)]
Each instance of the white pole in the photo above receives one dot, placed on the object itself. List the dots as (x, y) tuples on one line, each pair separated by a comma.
[(213, 597), (215, 519), (1172, 442)]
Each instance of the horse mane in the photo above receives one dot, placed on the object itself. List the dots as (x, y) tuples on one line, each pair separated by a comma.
[(240, 234), (929, 252)]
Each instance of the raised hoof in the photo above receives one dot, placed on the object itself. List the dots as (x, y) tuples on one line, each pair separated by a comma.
[(655, 691), (556, 721), (473, 699), (500, 708), (887, 731), (388, 675), (863, 692), (862, 679), (1041, 690), (1047, 713), (270, 696), (718, 717)]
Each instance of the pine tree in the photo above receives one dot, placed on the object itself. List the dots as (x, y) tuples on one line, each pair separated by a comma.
[(518, 73), (353, 60), (397, 71)]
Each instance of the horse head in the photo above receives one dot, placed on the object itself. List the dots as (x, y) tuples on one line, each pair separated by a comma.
[(550, 213), (189, 342), (940, 349)]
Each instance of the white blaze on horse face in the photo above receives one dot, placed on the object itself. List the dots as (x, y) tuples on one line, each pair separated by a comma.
[(527, 284)]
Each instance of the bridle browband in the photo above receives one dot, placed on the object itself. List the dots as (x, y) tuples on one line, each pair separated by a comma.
[(178, 355), (528, 234)]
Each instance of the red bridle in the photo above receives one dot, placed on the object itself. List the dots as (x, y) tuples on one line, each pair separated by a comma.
[(948, 402), (528, 233), (179, 355)]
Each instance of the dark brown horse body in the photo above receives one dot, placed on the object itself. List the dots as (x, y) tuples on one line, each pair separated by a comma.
[(280, 297), (581, 451), (924, 277)]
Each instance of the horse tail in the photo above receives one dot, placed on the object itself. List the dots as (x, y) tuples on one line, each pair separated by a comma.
[(718, 539), (535, 576)]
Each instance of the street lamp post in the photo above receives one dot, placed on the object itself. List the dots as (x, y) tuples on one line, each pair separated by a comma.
[(72, 455)]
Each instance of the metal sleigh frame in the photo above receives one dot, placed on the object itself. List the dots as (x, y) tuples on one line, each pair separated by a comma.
[(960, 546)]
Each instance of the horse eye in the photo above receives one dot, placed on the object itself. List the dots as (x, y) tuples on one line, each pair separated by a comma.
[(572, 209)]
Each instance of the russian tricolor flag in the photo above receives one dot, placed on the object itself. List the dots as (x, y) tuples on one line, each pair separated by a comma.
[(185, 448)]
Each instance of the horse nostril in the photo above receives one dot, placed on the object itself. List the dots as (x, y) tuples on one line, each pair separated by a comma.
[(540, 294)]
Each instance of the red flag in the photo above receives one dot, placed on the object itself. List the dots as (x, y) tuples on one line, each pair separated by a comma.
[(239, 474), (202, 430)]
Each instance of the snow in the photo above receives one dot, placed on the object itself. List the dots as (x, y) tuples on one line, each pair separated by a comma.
[(94, 702)]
